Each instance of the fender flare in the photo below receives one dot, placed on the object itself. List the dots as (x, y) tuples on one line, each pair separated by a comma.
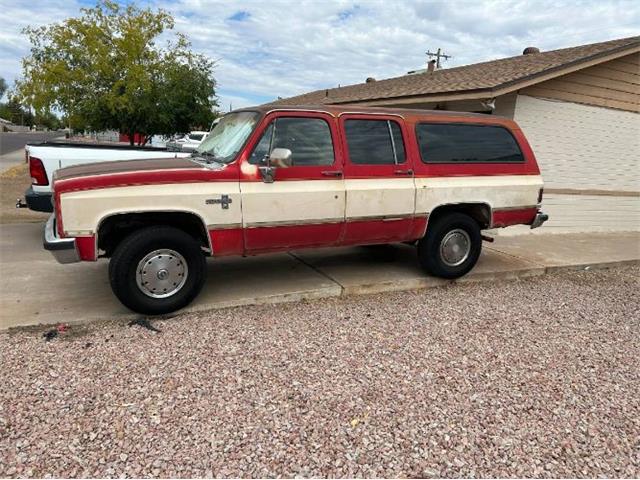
[(465, 207), (192, 213)]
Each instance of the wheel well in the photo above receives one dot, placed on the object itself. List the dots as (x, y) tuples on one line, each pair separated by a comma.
[(480, 212), (112, 230)]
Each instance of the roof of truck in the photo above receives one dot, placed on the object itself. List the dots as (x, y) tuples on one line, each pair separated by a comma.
[(338, 110)]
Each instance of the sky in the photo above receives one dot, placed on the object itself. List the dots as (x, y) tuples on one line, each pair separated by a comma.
[(275, 48)]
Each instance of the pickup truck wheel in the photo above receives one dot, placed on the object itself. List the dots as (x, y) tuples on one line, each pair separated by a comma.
[(157, 270), (451, 247)]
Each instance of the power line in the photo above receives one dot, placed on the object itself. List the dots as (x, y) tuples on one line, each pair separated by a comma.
[(439, 54)]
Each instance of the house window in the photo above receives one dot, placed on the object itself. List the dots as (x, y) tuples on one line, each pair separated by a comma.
[(309, 140), (463, 143), (374, 142)]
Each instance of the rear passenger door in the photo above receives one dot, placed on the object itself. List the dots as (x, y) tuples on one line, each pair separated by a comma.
[(379, 181)]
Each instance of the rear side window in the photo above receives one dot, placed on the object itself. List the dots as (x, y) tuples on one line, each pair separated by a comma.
[(461, 143), (374, 142)]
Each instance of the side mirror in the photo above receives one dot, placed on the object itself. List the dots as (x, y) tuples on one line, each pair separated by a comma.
[(280, 157), (268, 173)]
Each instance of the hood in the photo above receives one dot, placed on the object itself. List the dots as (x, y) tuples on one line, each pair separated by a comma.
[(125, 166), (140, 172)]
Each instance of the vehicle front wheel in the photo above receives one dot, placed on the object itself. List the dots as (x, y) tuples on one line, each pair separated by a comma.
[(451, 247), (157, 270)]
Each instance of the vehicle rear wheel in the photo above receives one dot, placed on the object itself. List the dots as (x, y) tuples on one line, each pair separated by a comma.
[(451, 247), (157, 270)]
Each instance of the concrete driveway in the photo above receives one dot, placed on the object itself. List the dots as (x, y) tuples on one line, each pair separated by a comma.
[(35, 289)]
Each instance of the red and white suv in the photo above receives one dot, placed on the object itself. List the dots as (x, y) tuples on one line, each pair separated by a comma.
[(273, 179)]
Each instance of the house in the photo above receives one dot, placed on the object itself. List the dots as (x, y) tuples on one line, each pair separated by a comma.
[(8, 126), (579, 107), (4, 124)]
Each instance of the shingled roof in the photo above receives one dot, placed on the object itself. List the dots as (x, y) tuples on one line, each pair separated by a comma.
[(487, 79)]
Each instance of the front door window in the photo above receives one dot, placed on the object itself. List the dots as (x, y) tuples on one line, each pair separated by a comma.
[(309, 140)]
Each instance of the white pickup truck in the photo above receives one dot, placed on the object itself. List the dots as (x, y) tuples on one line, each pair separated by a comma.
[(47, 157)]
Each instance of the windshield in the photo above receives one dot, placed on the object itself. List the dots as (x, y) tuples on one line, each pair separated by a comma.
[(227, 138)]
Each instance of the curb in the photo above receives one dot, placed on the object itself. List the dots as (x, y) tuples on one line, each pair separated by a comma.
[(341, 291), (324, 292), (592, 266)]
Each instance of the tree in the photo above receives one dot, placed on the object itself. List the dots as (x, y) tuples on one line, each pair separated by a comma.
[(47, 119), (3, 86), (103, 70), (16, 113)]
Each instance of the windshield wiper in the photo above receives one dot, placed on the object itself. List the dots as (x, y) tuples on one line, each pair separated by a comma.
[(207, 156)]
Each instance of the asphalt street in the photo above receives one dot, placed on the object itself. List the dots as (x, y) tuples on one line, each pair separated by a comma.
[(12, 141), (12, 145)]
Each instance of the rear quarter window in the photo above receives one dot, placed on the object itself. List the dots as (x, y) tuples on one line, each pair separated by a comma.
[(464, 143)]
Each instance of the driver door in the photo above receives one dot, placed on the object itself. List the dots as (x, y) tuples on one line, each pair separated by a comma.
[(305, 204)]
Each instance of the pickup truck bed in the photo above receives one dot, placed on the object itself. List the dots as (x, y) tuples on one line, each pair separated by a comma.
[(46, 157)]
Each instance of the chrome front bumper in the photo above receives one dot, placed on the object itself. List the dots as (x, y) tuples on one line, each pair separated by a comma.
[(63, 249), (539, 220)]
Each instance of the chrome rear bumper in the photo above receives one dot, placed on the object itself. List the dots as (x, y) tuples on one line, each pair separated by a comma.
[(63, 249), (539, 220)]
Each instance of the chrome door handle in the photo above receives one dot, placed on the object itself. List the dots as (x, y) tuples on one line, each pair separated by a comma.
[(403, 172), (331, 173)]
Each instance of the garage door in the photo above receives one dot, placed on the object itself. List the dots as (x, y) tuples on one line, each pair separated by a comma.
[(590, 161)]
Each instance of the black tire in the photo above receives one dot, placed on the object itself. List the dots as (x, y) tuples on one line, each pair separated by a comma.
[(134, 248), (430, 252)]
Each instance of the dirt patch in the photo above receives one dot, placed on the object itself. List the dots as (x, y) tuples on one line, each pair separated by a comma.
[(13, 183)]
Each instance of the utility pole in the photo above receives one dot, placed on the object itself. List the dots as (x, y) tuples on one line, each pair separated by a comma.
[(438, 56)]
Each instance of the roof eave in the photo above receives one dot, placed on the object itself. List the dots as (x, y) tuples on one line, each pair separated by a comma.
[(569, 67), (506, 87)]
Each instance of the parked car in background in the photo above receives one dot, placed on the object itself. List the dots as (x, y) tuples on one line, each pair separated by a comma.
[(158, 141), (273, 179), (193, 140), (187, 143)]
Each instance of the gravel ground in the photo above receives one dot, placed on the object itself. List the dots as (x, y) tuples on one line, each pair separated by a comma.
[(531, 378)]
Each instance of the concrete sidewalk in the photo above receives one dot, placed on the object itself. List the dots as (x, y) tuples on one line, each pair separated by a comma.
[(35, 289)]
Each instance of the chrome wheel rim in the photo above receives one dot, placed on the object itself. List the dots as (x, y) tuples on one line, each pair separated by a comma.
[(162, 273), (455, 247)]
